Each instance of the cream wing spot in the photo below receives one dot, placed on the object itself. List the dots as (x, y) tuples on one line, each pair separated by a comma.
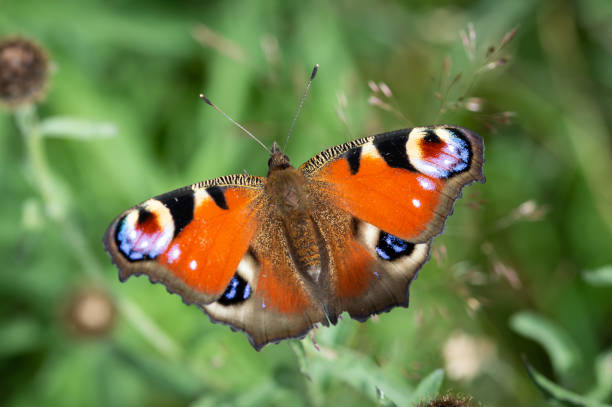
[(367, 234), (200, 196), (419, 255), (247, 268), (369, 150)]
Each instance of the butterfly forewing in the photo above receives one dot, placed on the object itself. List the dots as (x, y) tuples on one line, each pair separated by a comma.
[(403, 182)]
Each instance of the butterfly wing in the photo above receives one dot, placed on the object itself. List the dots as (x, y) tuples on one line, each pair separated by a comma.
[(218, 244), (282, 303), (191, 239), (379, 201)]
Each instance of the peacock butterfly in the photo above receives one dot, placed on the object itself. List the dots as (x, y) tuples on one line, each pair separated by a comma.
[(346, 231)]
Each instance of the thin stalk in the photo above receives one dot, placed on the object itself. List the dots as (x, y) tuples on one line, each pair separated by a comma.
[(55, 200)]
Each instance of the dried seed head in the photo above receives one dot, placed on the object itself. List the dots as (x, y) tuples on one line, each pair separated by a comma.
[(90, 312), (373, 86), (24, 71), (508, 37), (385, 90), (449, 400), (373, 100), (474, 104)]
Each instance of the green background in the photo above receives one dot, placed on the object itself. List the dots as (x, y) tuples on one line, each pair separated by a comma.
[(521, 267)]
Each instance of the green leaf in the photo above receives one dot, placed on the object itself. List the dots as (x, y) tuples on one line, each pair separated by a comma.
[(79, 129), (300, 354), (553, 338), (429, 387), (172, 377), (555, 392), (265, 393), (19, 335), (383, 400), (359, 372), (599, 277), (603, 373)]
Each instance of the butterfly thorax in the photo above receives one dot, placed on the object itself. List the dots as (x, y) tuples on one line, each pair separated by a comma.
[(286, 187)]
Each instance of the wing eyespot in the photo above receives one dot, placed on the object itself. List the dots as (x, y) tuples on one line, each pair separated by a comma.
[(237, 291), (440, 152), (145, 232), (391, 247)]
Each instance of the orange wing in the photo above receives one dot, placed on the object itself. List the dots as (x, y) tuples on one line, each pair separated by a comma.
[(192, 239)]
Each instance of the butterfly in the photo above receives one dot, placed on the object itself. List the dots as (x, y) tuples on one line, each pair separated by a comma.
[(347, 231)]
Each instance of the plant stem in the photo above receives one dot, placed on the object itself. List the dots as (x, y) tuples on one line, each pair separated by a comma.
[(55, 200)]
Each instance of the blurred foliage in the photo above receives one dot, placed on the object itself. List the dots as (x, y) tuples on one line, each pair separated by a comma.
[(122, 122)]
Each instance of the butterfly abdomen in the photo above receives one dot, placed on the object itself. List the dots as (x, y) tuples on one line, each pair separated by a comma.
[(288, 192)]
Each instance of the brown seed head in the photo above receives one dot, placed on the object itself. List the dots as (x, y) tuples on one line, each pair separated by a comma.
[(90, 312), (24, 71), (449, 400)]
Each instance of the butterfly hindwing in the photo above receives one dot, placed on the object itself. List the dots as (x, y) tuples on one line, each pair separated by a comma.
[(393, 265)]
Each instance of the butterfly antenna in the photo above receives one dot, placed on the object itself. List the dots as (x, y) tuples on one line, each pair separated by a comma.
[(312, 76), (204, 98)]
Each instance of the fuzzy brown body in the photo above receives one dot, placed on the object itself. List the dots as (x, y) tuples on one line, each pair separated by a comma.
[(289, 194)]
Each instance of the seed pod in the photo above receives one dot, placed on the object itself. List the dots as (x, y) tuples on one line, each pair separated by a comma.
[(24, 71)]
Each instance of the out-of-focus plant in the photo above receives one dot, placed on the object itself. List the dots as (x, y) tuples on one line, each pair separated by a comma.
[(25, 76), (566, 361)]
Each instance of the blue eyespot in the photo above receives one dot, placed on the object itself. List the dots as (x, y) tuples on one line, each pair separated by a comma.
[(237, 291), (136, 244), (453, 156), (391, 247)]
